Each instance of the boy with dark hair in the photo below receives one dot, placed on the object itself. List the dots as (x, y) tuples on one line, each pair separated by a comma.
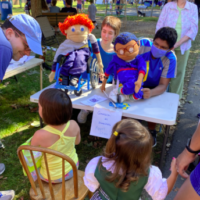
[(92, 12), (161, 64)]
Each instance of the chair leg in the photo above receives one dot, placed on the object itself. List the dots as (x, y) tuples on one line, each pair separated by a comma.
[(90, 194)]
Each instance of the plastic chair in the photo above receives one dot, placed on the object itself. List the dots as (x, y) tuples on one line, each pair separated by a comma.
[(70, 189)]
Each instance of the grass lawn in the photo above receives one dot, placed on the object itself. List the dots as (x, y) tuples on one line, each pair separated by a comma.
[(17, 113), (17, 9)]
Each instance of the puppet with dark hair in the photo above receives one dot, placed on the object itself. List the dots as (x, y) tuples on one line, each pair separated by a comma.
[(128, 67), (77, 30)]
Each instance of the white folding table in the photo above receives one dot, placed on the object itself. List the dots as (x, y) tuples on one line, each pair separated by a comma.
[(12, 71), (161, 109)]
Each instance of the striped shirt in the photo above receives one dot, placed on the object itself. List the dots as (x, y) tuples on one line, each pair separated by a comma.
[(164, 67), (189, 18)]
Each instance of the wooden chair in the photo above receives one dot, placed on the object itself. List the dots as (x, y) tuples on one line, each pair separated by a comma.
[(73, 188)]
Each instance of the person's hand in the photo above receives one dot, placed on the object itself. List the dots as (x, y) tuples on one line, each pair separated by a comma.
[(101, 76), (51, 76), (100, 65), (103, 88), (173, 166), (146, 93), (177, 44), (183, 161), (137, 86)]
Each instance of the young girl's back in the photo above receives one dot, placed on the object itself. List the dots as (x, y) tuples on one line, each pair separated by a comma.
[(60, 135), (125, 171)]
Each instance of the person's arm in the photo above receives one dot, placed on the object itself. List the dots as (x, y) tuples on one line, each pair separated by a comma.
[(181, 41), (185, 158), (173, 176), (5, 58), (157, 186), (78, 136), (148, 93), (103, 86)]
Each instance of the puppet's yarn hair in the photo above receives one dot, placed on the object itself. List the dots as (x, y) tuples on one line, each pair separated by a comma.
[(79, 19)]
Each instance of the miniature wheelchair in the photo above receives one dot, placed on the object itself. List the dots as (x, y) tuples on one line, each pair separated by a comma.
[(89, 77)]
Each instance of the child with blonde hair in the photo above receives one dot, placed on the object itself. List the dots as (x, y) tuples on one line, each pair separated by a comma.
[(124, 171)]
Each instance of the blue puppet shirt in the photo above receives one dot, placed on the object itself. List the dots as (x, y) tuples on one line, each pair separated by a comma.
[(126, 72)]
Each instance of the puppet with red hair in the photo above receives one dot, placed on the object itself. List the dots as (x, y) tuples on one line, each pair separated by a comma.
[(77, 30)]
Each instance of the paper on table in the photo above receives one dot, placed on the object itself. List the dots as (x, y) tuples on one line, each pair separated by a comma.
[(14, 64), (103, 121), (93, 100), (22, 60)]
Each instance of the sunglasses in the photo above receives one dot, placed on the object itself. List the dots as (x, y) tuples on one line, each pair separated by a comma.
[(129, 48), (26, 47)]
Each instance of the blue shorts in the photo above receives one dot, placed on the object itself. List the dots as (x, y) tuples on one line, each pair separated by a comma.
[(79, 6), (195, 179)]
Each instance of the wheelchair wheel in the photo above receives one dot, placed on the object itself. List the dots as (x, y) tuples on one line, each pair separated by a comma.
[(94, 74), (78, 93)]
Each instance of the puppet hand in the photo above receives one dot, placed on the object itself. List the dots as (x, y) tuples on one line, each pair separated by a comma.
[(100, 65), (137, 86), (51, 76)]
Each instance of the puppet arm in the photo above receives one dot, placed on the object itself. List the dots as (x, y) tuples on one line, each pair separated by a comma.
[(138, 83), (96, 51), (52, 74)]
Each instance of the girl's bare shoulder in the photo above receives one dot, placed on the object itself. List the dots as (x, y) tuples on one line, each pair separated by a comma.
[(73, 129)]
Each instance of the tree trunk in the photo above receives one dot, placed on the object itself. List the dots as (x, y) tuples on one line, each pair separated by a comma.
[(36, 8)]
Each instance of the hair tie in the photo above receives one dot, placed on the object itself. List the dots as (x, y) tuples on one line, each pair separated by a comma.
[(115, 133)]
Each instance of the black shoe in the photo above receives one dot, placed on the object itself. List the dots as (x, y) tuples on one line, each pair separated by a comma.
[(154, 135), (74, 81)]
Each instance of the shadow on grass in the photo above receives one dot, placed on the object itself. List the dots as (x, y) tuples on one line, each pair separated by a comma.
[(13, 177)]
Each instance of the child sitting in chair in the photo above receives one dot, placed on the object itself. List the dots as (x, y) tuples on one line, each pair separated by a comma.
[(77, 30), (61, 134)]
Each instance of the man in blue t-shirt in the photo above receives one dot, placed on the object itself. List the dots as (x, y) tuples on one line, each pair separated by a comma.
[(161, 64), (19, 35)]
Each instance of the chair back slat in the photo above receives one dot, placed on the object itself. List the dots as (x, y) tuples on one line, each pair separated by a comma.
[(63, 179), (49, 177), (38, 176), (23, 162), (55, 153)]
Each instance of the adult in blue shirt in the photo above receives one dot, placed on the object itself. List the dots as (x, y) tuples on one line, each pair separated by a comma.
[(161, 64), (19, 35)]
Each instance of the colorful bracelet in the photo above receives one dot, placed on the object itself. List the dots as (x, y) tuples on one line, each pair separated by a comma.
[(106, 77)]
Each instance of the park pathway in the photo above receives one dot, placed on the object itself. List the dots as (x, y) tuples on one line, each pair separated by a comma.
[(132, 12), (186, 126)]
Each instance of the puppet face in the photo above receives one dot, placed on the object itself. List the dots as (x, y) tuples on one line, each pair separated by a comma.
[(77, 33), (127, 51)]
